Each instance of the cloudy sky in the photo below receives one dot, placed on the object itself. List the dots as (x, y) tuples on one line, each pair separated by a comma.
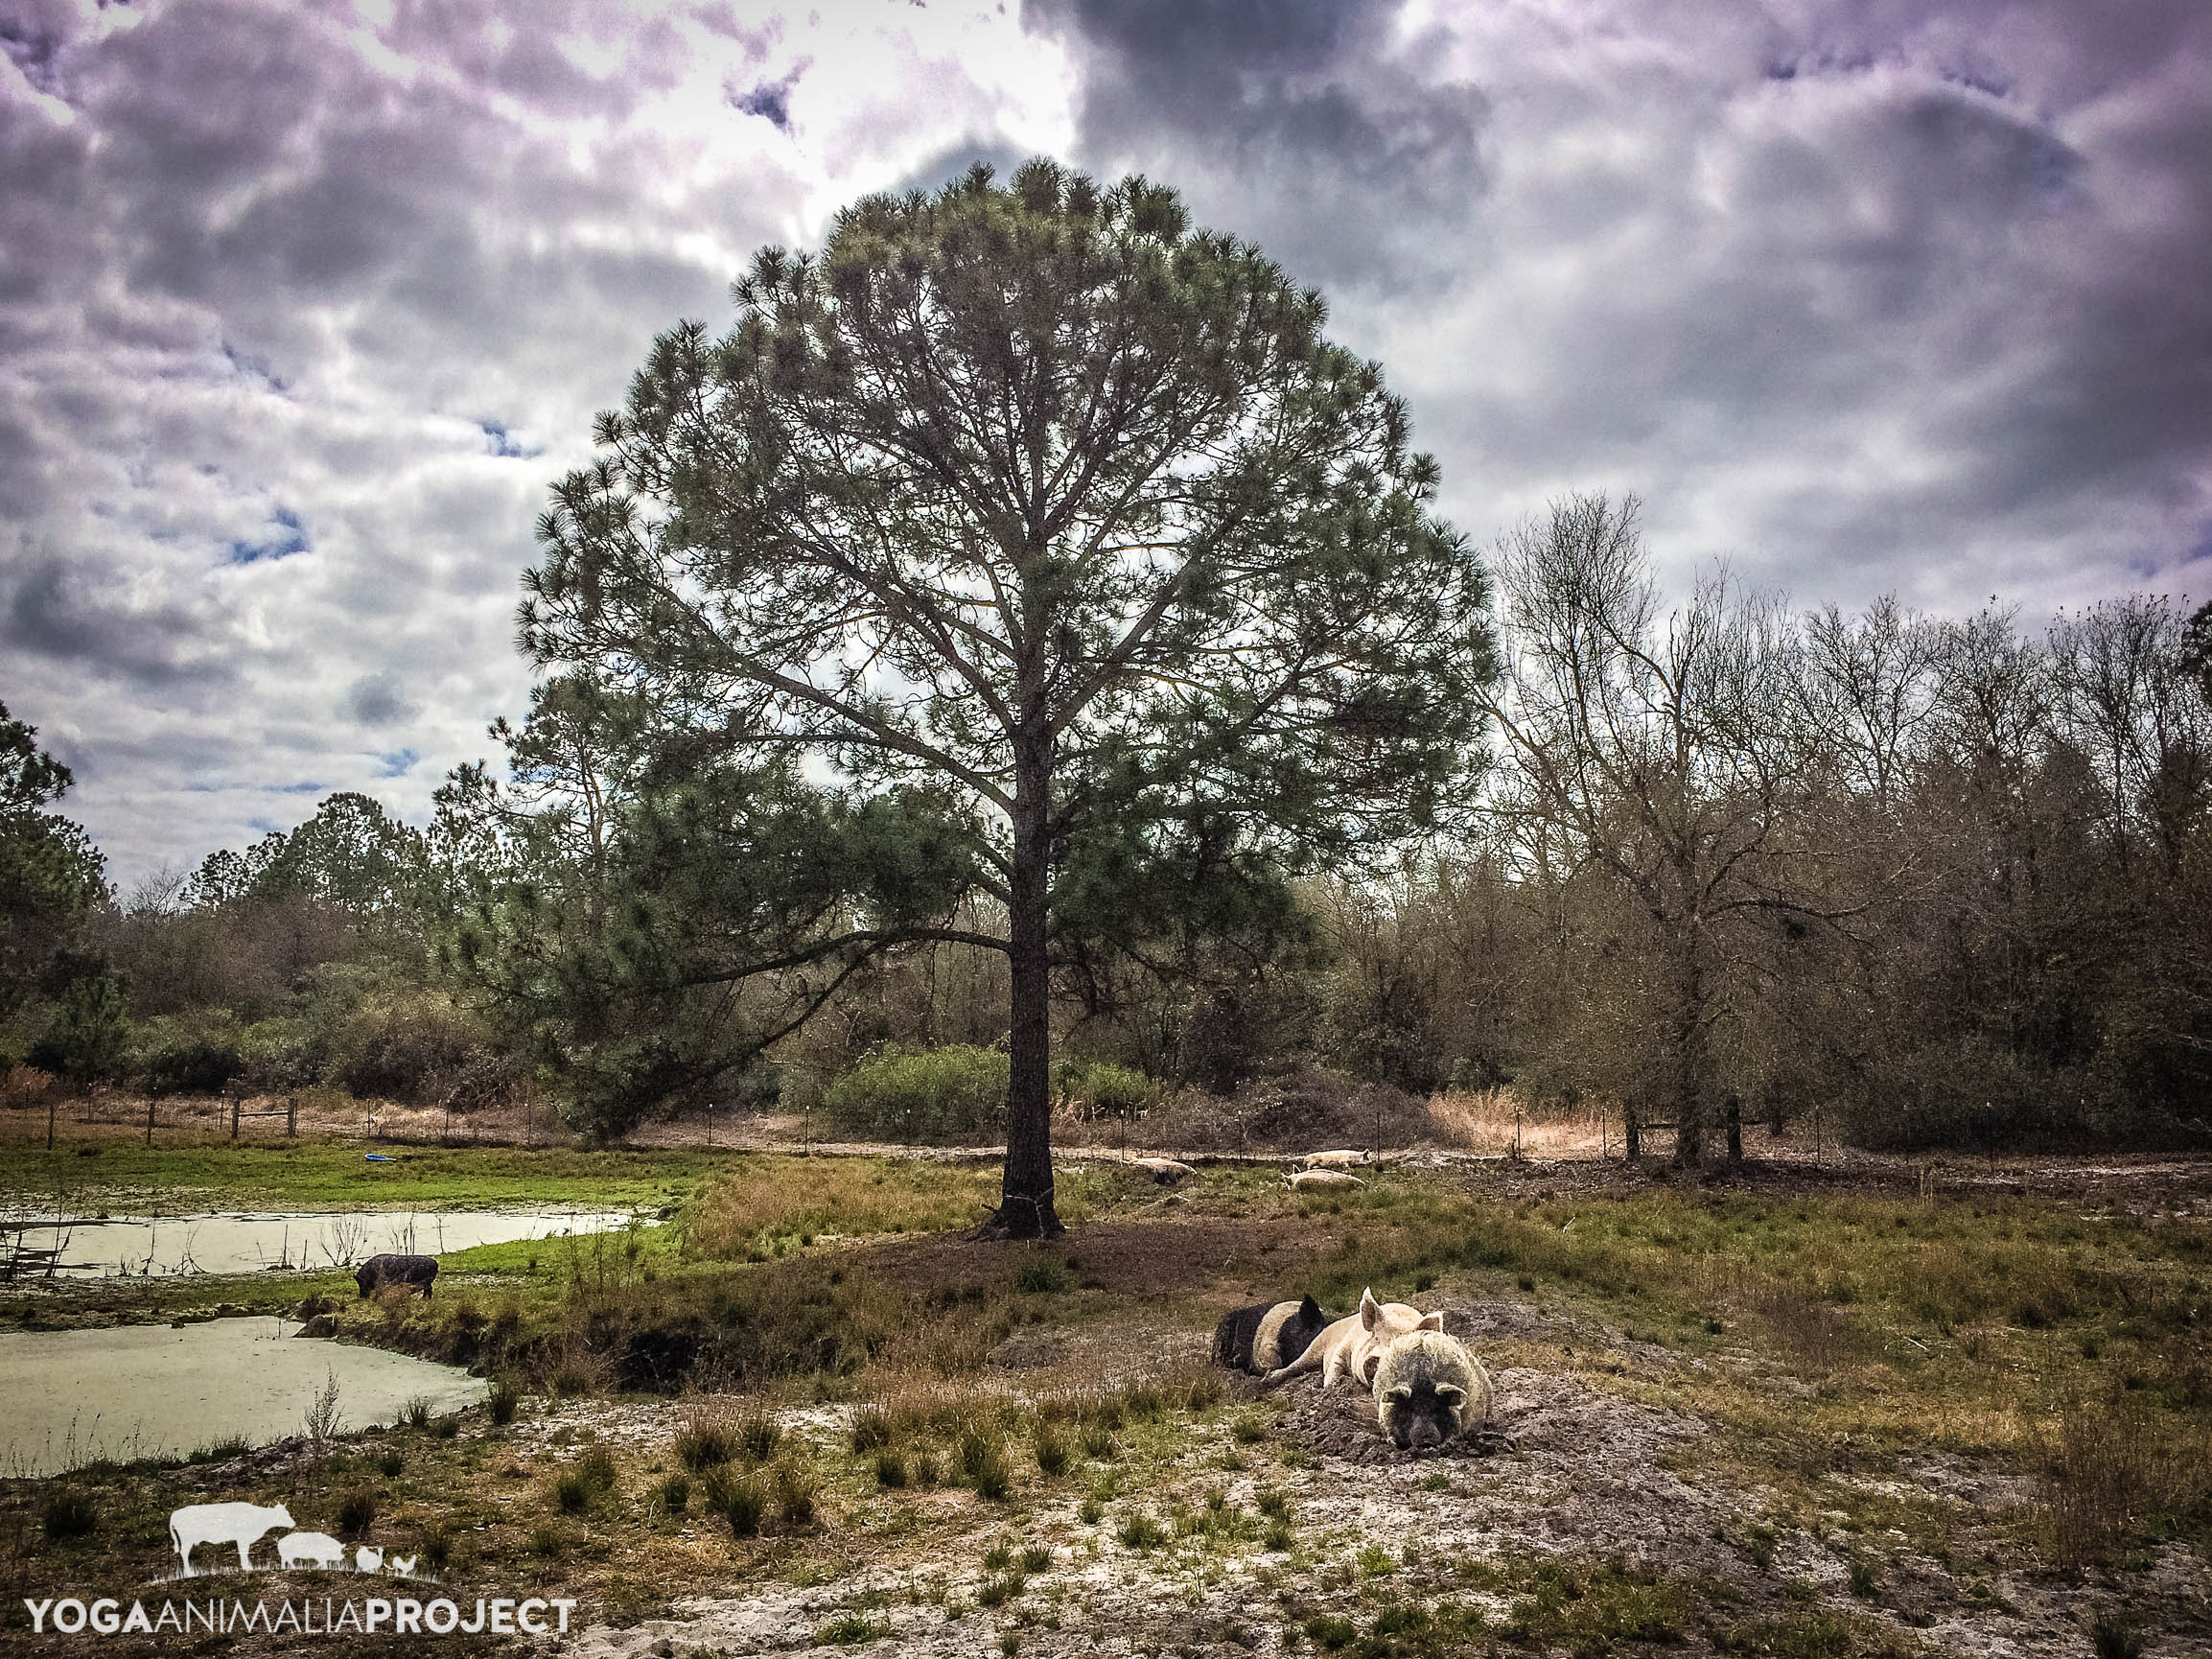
[(303, 305)]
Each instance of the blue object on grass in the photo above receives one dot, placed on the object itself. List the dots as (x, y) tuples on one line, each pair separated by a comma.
[(378, 1157)]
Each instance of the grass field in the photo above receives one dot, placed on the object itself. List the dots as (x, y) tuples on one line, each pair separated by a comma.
[(1793, 1417)]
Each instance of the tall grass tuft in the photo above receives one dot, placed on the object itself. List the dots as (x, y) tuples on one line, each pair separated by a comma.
[(758, 1435), (704, 1440), (503, 1399)]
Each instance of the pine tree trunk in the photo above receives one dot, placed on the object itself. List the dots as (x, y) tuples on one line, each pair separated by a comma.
[(1025, 1206)]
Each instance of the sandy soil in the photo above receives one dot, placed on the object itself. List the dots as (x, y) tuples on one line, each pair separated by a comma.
[(1570, 1471)]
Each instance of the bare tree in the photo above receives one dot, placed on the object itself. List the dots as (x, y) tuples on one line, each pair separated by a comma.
[(1657, 751)]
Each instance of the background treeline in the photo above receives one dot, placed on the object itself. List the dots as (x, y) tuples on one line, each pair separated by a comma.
[(1944, 881)]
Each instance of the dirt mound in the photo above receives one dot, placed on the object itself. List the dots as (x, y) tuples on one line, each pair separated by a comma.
[(1340, 1424)]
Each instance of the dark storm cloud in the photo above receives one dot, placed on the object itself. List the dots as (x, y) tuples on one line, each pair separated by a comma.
[(1859, 296), (1312, 124), (377, 700), (93, 620)]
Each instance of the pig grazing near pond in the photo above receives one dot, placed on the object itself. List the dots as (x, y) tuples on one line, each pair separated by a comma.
[(414, 1273), (240, 1524), (1267, 1335)]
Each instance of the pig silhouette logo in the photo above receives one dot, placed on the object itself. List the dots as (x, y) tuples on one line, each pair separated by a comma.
[(368, 1560), (310, 1549), (240, 1524)]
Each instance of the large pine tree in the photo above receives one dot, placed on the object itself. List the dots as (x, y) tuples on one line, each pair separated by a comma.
[(1038, 498)]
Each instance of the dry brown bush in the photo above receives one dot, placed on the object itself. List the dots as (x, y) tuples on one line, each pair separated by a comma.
[(2112, 1470), (1297, 1110)]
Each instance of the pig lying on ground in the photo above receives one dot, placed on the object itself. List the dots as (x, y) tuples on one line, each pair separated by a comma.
[(1429, 1389), (1321, 1181), (1164, 1170), (1268, 1336), (1351, 1347), (1342, 1159)]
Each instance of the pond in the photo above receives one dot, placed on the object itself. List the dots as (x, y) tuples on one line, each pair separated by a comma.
[(138, 1392), (251, 1243)]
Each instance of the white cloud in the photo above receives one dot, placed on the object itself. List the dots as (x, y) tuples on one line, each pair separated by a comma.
[(301, 308)]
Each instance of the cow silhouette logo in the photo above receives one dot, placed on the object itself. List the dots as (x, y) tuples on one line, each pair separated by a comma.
[(242, 1524)]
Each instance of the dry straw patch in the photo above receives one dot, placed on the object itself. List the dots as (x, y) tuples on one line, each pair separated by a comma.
[(754, 1200), (1495, 1122)]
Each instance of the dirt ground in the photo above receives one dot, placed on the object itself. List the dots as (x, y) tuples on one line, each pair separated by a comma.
[(1595, 1467), (1569, 1472)]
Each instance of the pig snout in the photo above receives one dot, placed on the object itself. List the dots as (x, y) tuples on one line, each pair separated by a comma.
[(1420, 1434)]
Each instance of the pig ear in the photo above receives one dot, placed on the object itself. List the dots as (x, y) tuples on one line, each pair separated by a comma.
[(1309, 1309), (1430, 1322), (1450, 1394), (1371, 1310)]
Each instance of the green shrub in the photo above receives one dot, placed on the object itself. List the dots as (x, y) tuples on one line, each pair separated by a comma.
[(90, 1035), (434, 1542), (1041, 1274), (596, 1468), (703, 1442), (572, 1492), (890, 1470), (2113, 1637), (870, 1429), (68, 1515), (356, 1511), (673, 1496), (503, 1399), (1140, 1532), (410, 1047), (922, 1095), (798, 1492), (982, 1464), (175, 1059), (1104, 1090), (1052, 1454)]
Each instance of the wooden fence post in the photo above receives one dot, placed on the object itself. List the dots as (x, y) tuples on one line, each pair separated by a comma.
[(150, 1120), (291, 1116), (234, 1105)]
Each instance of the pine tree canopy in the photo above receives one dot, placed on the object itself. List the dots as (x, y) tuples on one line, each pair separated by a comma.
[(1038, 498)]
